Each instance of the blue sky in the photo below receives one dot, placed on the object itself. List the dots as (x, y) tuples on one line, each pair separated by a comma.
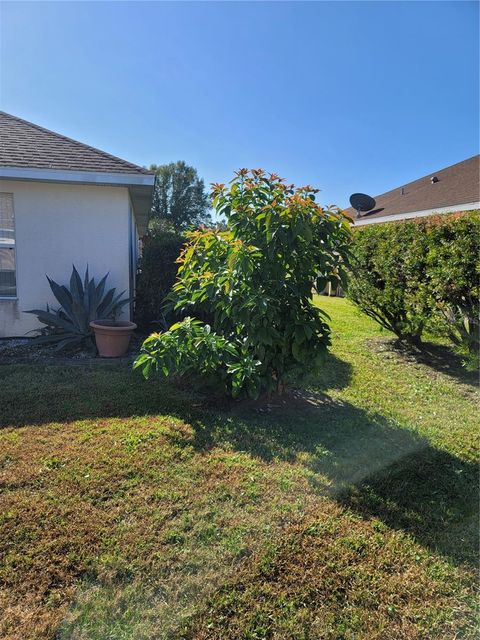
[(347, 96)]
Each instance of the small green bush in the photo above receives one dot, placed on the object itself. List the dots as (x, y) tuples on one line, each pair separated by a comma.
[(387, 276), (157, 272), (254, 281)]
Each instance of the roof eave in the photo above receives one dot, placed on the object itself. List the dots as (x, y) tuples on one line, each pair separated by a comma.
[(393, 217), (141, 199), (80, 177)]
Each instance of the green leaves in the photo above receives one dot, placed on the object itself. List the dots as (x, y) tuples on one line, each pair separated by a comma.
[(253, 285), (79, 305), (191, 345), (387, 272), (421, 274), (179, 198), (453, 267)]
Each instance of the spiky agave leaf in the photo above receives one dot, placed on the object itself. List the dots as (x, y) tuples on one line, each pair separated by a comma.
[(80, 303), (114, 306), (86, 292), (76, 286), (106, 302), (53, 320), (63, 295)]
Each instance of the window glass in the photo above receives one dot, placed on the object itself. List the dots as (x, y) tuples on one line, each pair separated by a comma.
[(8, 287)]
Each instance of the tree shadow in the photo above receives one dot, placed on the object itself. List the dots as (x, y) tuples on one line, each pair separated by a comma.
[(431, 495), (41, 393), (438, 357), (334, 373), (365, 462), (361, 459)]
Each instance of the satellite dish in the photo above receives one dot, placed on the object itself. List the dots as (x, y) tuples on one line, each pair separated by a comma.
[(362, 203)]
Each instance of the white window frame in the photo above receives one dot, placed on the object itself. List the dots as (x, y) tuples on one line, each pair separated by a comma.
[(10, 245)]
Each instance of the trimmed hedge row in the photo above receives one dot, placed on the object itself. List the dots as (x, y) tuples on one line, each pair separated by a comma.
[(420, 275), (157, 273)]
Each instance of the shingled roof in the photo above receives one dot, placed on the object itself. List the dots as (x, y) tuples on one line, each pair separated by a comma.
[(24, 144), (456, 185)]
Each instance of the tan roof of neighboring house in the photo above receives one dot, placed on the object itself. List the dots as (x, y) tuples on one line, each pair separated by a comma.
[(458, 184), (24, 144)]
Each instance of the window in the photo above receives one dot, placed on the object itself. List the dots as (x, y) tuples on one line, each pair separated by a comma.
[(8, 285)]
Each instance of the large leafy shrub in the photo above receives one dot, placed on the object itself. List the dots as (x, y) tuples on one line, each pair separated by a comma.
[(80, 303), (157, 272), (254, 282), (388, 275), (420, 274), (453, 267)]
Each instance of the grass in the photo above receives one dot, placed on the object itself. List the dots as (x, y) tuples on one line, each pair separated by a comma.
[(142, 510)]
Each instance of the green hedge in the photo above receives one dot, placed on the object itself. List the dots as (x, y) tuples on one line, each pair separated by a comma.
[(453, 269), (157, 273), (420, 275)]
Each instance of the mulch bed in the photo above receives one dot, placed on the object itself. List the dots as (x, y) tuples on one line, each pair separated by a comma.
[(23, 351)]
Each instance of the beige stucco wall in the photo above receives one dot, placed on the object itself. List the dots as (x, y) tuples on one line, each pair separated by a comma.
[(57, 225)]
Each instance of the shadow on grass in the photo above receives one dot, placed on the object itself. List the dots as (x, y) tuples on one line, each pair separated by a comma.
[(435, 356), (368, 464), (38, 394), (429, 494), (334, 373), (363, 460)]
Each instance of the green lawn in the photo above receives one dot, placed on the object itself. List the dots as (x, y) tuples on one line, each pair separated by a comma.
[(144, 510)]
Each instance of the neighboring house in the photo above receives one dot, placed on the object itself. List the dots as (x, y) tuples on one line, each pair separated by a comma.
[(62, 203), (456, 188)]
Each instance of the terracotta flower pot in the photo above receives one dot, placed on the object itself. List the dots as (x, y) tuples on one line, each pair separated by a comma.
[(112, 338)]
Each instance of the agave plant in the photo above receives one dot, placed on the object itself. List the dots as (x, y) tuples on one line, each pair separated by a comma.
[(80, 303)]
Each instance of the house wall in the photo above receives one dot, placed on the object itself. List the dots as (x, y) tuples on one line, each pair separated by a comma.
[(57, 225)]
